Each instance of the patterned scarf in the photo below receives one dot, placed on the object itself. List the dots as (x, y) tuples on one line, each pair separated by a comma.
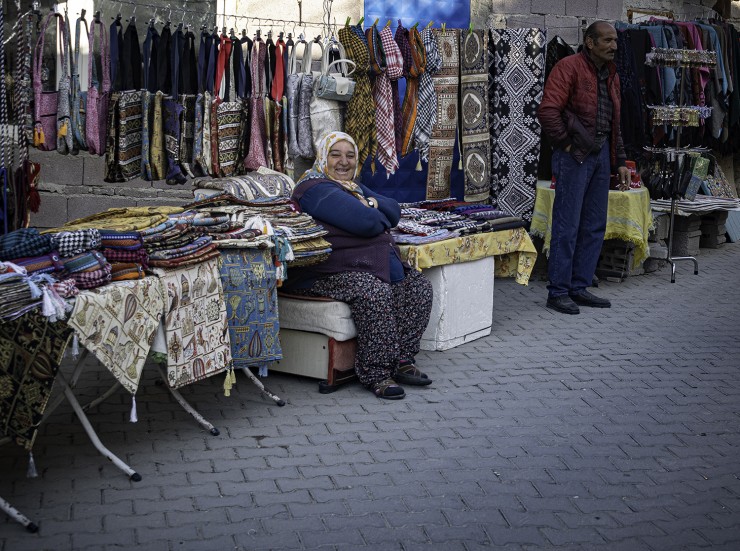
[(427, 108), (410, 101), (360, 117), (387, 61), (318, 170)]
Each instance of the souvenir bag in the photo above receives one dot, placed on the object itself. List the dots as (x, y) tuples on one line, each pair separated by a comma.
[(45, 104), (131, 117), (335, 86), (188, 86), (79, 98), (292, 92), (147, 114), (229, 88), (277, 134), (206, 63), (172, 111), (327, 113), (305, 99), (157, 157), (112, 161), (65, 141), (257, 155), (96, 115)]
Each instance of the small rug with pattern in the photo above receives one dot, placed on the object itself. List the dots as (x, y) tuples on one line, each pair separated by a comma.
[(476, 142), (31, 350), (442, 141)]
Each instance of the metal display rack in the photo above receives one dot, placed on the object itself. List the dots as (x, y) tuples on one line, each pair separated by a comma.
[(685, 60)]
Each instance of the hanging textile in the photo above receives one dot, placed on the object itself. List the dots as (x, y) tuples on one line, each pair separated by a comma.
[(476, 144), (98, 91), (257, 155), (117, 324), (360, 115), (517, 67), (250, 295), (188, 87), (446, 83), (196, 329), (46, 127), (427, 106), (32, 349), (78, 98), (387, 65), (409, 110)]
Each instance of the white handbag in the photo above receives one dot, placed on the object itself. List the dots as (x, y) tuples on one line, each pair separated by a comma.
[(335, 86), (327, 115)]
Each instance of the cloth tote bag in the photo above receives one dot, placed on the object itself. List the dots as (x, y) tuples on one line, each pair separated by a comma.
[(45, 104)]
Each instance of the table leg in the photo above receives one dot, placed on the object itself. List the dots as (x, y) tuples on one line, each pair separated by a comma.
[(187, 407), (266, 391), (16, 515), (72, 399)]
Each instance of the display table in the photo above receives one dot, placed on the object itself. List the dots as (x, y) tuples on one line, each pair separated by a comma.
[(462, 272), (628, 218)]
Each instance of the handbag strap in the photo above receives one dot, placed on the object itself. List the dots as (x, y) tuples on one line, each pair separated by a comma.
[(308, 58), (237, 67), (116, 48), (259, 53), (38, 56), (176, 54), (325, 65), (92, 72), (149, 43), (224, 53), (75, 61), (292, 69), (189, 66), (212, 62)]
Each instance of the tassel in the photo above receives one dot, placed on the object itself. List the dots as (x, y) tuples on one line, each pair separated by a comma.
[(133, 418), (233, 376), (459, 164), (38, 135), (34, 200), (418, 165), (47, 308), (263, 371), (31, 472), (75, 346), (227, 385), (63, 129)]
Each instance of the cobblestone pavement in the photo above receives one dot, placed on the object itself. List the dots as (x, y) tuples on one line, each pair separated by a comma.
[(614, 429)]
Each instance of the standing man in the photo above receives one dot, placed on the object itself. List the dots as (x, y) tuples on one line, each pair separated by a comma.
[(580, 114)]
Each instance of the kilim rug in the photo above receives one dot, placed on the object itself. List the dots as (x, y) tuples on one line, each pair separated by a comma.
[(250, 290), (442, 141), (195, 323), (31, 350), (117, 324), (476, 143), (518, 74)]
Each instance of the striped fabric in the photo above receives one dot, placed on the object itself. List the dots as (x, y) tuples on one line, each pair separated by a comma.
[(411, 99), (360, 116)]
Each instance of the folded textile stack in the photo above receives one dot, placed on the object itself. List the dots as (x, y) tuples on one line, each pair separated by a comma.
[(126, 253), (178, 242), (253, 185), (22, 293)]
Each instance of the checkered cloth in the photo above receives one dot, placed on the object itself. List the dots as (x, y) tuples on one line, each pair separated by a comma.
[(390, 70), (22, 243), (66, 288), (139, 256), (92, 278), (414, 228), (71, 243), (360, 116), (426, 112)]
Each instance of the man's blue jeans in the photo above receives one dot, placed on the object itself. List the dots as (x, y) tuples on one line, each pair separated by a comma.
[(578, 219)]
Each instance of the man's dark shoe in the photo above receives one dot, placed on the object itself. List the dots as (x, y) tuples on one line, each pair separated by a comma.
[(563, 304), (584, 298)]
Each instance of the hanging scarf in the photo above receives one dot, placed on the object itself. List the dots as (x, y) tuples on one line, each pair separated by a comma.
[(319, 168), (411, 99), (402, 40), (360, 118), (427, 106), (391, 70)]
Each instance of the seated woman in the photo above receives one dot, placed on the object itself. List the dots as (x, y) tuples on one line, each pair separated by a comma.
[(390, 302)]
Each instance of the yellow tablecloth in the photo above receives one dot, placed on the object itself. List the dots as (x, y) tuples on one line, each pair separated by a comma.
[(514, 251), (628, 218)]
